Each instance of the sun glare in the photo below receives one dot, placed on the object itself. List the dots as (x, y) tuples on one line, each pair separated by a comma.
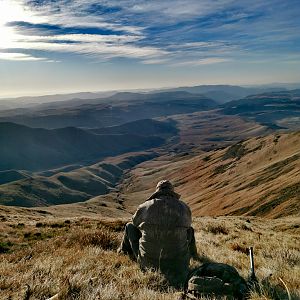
[(9, 11), (12, 11)]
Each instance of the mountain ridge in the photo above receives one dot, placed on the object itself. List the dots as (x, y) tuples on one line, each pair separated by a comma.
[(76, 185), (108, 113), (22, 147), (257, 177)]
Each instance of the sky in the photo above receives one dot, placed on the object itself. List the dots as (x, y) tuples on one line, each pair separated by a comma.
[(61, 46)]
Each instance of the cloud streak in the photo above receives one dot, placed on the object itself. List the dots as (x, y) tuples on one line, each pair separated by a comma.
[(199, 62), (181, 33), (20, 57)]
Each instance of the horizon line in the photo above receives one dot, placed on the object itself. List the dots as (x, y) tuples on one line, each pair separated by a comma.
[(62, 93)]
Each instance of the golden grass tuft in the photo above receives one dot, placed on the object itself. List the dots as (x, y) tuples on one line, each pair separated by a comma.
[(240, 248), (216, 229), (101, 238), (79, 260)]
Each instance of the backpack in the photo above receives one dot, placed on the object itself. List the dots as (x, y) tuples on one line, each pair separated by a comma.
[(215, 279)]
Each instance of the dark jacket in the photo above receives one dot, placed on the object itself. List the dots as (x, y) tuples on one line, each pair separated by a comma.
[(164, 222)]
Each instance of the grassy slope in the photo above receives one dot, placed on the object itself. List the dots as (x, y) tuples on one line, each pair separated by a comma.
[(70, 186), (77, 257), (211, 129), (257, 177)]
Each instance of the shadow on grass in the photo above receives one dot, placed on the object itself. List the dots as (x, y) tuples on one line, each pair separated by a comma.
[(267, 290)]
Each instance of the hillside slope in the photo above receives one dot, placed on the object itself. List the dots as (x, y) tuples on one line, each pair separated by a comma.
[(78, 184), (258, 177), (211, 130), (276, 109), (32, 149), (144, 127)]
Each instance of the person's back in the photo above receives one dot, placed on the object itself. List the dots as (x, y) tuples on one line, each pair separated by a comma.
[(164, 223), (166, 238)]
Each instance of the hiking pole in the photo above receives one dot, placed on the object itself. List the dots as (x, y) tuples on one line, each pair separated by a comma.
[(252, 277), (252, 271)]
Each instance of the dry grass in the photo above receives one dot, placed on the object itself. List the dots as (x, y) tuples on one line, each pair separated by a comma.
[(258, 178), (277, 253), (78, 259)]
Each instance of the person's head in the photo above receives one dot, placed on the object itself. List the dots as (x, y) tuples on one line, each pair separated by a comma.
[(164, 188), (164, 185)]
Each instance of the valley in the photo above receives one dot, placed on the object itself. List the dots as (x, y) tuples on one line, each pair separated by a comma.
[(72, 173), (43, 167), (37, 149)]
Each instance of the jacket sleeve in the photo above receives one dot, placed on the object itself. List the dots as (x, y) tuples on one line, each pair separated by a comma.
[(138, 217), (187, 216)]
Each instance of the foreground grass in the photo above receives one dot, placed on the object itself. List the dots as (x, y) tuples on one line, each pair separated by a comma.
[(77, 259)]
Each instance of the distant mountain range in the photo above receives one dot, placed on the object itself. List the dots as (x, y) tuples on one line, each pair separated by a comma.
[(115, 110), (272, 108), (219, 93), (276, 109), (29, 101), (58, 152), (27, 148), (226, 93), (121, 123)]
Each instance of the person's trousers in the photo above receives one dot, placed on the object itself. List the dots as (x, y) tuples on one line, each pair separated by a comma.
[(192, 242), (130, 242)]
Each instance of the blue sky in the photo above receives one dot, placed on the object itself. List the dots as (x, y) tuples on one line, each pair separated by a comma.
[(51, 46)]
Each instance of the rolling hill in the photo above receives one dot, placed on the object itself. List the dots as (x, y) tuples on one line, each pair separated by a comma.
[(257, 177), (146, 127), (276, 109), (227, 93), (12, 175), (212, 130), (36, 149), (30, 101), (115, 110), (76, 185), (76, 180)]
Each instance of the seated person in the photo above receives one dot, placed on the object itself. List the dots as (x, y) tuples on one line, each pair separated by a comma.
[(160, 236)]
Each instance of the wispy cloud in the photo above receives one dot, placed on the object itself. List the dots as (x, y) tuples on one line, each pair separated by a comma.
[(20, 57), (182, 33), (199, 62), (89, 45)]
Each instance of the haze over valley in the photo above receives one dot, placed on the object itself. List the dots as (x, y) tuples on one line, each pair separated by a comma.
[(74, 150)]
